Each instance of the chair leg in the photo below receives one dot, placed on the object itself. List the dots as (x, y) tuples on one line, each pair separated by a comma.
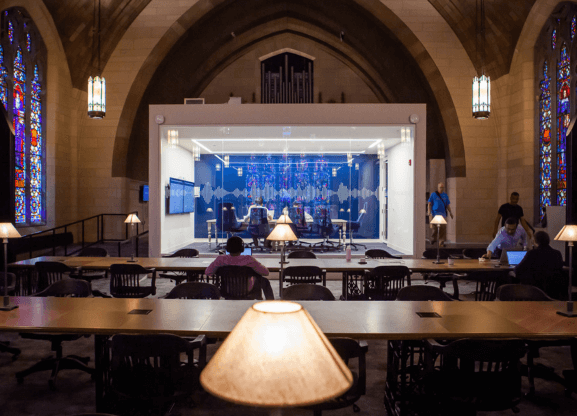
[(5, 347)]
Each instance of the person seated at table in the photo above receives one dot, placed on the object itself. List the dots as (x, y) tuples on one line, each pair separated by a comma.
[(235, 246), (257, 204), (308, 217), (542, 264), (509, 236)]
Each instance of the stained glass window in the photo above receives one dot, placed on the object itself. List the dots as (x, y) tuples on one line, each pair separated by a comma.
[(573, 27), (22, 96), (563, 119), (544, 141), (554, 39)]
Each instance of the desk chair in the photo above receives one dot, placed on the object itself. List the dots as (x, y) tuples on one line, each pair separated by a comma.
[(442, 278), (355, 226), (194, 290), (323, 225), (487, 283), (50, 272), (422, 293), (90, 275), (307, 292), (299, 225), (125, 281), (181, 275), (376, 253), (226, 221), (304, 274), (258, 226), (302, 254), (385, 282), (61, 288), (233, 283)]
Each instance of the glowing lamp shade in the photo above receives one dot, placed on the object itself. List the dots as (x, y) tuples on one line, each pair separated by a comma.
[(282, 232), (96, 97), (7, 230), (284, 219), (481, 97), (132, 219), (276, 356), (567, 233), (439, 219)]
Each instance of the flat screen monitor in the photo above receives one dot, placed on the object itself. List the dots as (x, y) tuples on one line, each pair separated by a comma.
[(181, 196), (188, 197), (144, 193)]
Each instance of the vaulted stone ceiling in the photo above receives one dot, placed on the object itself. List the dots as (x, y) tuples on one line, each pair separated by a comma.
[(74, 21)]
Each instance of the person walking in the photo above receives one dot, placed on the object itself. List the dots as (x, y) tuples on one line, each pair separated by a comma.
[(439, 204)]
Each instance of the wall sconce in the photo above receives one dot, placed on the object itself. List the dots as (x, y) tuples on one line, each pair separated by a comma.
[(334, 172), (172, 137), (226, 161), (350, 159), (381, 151), (197, 154), (405, 134), (218, 167), (356, 166), (239, 171)]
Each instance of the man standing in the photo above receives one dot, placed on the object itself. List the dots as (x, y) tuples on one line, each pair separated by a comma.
[(512, 209), (439, 204), (509, 236)]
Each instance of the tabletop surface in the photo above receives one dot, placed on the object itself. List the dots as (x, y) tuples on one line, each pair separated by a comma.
[(272, 263), (359, 319)]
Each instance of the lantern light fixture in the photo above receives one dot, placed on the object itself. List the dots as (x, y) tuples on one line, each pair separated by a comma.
[(96, 84), (481, 85)]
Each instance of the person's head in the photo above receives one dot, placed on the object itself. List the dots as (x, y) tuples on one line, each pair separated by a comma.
[(235, 245), (511, 225), (441, 187), (514, 199), (542, 238), (258, 200)]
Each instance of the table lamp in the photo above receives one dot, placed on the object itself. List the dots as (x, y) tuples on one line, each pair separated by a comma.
[(438, 220), (282, 232), (276, 356), (7, 231), (568, 233), (132, 219)]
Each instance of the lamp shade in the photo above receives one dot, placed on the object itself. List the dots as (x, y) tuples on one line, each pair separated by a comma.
[(282, 232), (439, 219), (132, 219), (284, 219), (567, 233), (276, 356), (7, 230)]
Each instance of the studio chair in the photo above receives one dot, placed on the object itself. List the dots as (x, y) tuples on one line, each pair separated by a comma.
[(442, 278), (349, 350), (467, 376), (376, 253), (258, 226), (355, 226), (299, 226), (304, 274), (90, 275), (194, 290), (11, 286), (234, 283), (50, 272), (307, 292), (62, 288), (422, 293), (226, 221), (384, 282), (180, 276), (301, 254), (323, 225), (487, 283), (125, 281), (146, 373)]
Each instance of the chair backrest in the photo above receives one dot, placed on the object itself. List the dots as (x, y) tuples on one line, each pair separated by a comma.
[(125, 281), (511, 292), (10, 282), (473, 253), (376, 253), (258, 222), (226, 217), (297, 216), (50, 272), (93, 252), (194, 290), (185, 253), (348, 349), (302, 254), (74, 288), (487, 283), (422, 292), (307, 292), (322, 222), (432, 254), (384, 282), (233, 282), (303, 274), (148, 366)]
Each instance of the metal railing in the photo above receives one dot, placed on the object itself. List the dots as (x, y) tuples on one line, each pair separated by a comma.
[(84, 223)]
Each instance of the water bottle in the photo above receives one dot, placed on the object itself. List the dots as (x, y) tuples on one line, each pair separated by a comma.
[(349, 255)]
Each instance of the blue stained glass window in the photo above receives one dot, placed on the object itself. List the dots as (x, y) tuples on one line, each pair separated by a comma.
[(554, 39), (563, 119), (544, 142), (10, 32), (573, 27), (28, 42), (3, 79), (19, 111), (36, 207)]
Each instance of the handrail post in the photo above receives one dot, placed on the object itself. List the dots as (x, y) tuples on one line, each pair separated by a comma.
[(102, 228), (82, 233), (65, 245)]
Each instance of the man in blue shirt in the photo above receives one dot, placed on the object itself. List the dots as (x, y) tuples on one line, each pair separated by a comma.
[(439, 204), (509, 236)]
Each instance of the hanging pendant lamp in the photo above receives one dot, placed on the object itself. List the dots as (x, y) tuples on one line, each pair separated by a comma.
[(97, 84), (482, 84)]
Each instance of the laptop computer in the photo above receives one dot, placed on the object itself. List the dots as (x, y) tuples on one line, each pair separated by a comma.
[(512, 257), (247, 252)]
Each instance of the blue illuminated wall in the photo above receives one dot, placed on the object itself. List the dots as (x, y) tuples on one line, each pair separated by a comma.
[(281, 181)]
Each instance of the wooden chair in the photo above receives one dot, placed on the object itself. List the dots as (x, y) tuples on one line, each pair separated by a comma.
[(466, 376), (376, 253), (90, 275), (146, 373), (384, 282), (50, 272), (307, 292), (181, 275), (442, 278), (422, 292), (301, 254), (487, 283), (304, 274), (512, 293), (234, 281), (62, 288), (125, 281), (194, 290), (348, 349)]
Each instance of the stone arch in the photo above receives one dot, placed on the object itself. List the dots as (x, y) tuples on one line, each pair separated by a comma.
[(283, 50), (204, 9)]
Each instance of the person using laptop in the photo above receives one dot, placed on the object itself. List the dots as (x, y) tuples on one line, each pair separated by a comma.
[(541, 262), (235, 246), (509, 236)]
